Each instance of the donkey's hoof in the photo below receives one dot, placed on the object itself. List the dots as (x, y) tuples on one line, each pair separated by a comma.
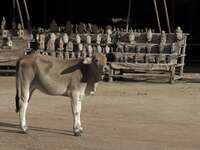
[(24, 129), (77, 133)]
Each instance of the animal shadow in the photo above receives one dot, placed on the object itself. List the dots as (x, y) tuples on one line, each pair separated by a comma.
[(15, 128)]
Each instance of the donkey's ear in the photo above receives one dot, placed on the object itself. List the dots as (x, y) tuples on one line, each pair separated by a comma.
[(87, 60)]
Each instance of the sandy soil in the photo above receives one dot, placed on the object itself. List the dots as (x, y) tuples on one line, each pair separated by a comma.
[(124, 115)]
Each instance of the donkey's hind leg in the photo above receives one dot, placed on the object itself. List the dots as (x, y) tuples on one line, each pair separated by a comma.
[(24, 101)]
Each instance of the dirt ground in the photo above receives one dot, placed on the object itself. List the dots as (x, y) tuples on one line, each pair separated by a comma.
[(123, 115)]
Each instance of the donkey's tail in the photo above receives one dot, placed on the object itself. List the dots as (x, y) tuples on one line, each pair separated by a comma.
[(17, 88)]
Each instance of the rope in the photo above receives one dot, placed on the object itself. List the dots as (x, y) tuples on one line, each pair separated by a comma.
[(128, 16), (27, 13), (14, 15), (167, 16), (158, 20), (20, 14)]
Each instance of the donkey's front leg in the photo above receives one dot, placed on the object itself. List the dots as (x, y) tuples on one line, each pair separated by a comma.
[(76, 111)]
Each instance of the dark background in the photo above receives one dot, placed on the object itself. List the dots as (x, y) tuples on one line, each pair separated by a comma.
[(184, 13)]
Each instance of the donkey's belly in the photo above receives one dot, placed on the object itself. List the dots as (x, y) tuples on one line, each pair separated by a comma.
[(51, 86)]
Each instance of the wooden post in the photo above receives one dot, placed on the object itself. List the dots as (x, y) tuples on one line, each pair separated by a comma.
[(172, 74), (111, 73), (183, 57), (136, 54)]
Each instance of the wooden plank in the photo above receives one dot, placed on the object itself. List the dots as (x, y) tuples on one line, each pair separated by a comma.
[(10, 56), (122, 54), (140, 66), (141, 75), (7, 70)]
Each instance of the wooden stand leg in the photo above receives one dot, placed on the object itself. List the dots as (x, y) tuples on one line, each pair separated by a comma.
[(110, 78), (172, 75)]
